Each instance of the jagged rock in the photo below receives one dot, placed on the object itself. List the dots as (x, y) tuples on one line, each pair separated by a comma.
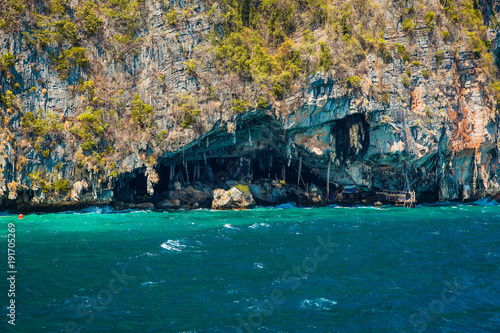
[(442, 124), (277, 184), (316, 199), (77, 189), (466, 192), (256, 191), (495, 198), (448, 189), (279, 195), (105, 197), (232, 199), (177, 186), (169, 204), (144, 205), (119, 205), (315, 189), (25, 197), (188, 197)]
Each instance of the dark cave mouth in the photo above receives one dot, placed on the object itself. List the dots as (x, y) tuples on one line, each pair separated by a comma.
[(216, 171)]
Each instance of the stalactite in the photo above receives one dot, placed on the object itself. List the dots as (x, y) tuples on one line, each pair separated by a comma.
[(234, 133), (477, 160), (249, 136), (172, 172), (289, 152)]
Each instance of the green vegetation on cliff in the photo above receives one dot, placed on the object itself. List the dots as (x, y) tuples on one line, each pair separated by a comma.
[(101, 80)]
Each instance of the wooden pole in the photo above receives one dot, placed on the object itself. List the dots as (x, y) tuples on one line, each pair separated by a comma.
[(328, 182), (300, 170)]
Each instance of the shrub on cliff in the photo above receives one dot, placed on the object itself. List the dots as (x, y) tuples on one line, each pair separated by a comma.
[(401, 51), (68, 59), (172, 17), (239, 105), (90, 127), (430, 19), (141, 112), (353, 81), (7, 99), (61, 186), (87, 15), (325, 57), (124, 16), (7, 60), (408, 25), (191, 66), (39, 125)]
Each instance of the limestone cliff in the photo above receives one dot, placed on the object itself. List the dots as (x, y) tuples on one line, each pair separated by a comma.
[(103, 98)]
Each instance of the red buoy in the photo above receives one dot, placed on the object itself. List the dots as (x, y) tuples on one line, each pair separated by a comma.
[(20, 216)]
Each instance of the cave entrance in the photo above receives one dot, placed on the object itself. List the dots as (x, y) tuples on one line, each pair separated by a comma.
[(307, 177), (268, 165), (164, 176), (224, 169), (139, 184)]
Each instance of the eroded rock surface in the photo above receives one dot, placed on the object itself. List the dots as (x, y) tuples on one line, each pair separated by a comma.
[(234, 198)]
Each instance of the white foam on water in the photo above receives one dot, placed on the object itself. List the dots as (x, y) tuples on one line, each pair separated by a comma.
[(96, 209), (484, 202), (317, 304), (173, 245), (228, 226), (257, 225), (287, 205), (258, 265), (147, 283)]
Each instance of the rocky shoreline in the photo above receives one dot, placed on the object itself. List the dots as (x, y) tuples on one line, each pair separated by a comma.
[(232, 196)]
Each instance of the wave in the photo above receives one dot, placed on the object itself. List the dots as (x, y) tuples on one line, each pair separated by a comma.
[(148, 283), (173, 245), (257, 225), (90, 210), (259, 265), (228, 226), (484, 202), (287, 205), (317, 304)]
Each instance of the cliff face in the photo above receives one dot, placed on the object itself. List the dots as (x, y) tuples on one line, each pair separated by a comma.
[(104, 98)]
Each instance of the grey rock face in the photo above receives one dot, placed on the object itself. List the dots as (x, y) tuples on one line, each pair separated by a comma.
[(437, 135), (232, 199)]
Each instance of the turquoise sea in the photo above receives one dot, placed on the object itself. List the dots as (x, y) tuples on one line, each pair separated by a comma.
[(429, 269)]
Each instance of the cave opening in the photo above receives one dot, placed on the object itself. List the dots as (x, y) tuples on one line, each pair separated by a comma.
[(307, 177), (138, 184), (216, 171), (164, 178), (266, 165)]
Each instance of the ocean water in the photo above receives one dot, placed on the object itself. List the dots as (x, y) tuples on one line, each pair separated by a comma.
[(430, 269)]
